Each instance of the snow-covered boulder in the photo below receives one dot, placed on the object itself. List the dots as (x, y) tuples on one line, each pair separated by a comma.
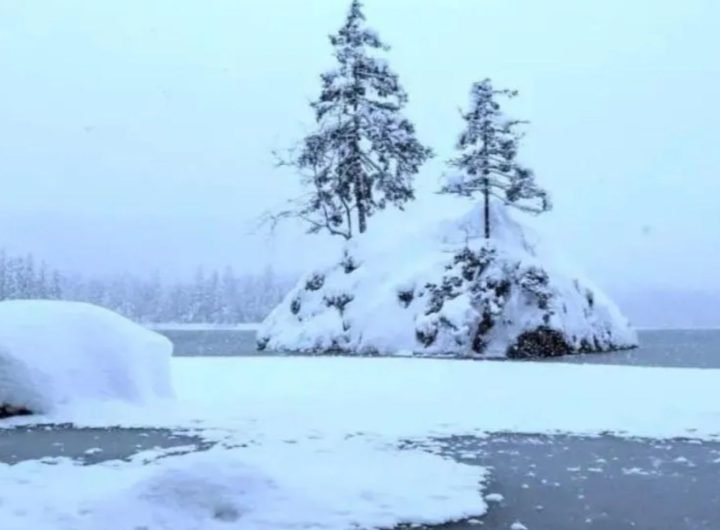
[(55, 353), (444, 290)]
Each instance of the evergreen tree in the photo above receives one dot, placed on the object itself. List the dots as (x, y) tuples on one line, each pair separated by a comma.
[(13, 285), (487, 162), (210, 298), (363, 155), (230, 297), (3, 275), (26, 279), (55, 291), (42, 290)]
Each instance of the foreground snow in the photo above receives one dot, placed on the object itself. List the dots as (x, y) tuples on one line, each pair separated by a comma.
[(314, 442), (442, 289), (284, 397), (402, 398), (275, 486), (55, 354)]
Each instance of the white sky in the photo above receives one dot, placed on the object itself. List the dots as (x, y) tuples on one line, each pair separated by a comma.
[(137, 134)]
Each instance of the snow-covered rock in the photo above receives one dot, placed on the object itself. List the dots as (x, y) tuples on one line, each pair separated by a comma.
[(55, 353), (444, 290)]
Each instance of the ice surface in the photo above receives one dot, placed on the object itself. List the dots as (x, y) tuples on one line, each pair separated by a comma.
[(431, 288), (55, 354)]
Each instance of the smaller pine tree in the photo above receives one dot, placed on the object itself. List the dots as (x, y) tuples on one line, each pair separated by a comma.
[(487, 162)]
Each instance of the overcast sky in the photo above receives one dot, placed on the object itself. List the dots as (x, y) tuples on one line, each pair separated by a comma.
[(137, 134)]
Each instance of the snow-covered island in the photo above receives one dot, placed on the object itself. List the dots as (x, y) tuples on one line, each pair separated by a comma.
[(476, 285), (61, 354), (442, 289)]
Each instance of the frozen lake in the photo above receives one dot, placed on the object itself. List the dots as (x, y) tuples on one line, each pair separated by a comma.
[(545, 482), (672, 348), (554, 482)]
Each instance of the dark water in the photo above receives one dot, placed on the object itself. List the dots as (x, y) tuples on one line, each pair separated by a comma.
[(605, 483), (212, 342), (89, 445), (670, 348), (673, 348)]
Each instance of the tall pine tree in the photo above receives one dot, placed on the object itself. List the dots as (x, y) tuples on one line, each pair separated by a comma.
[(363, 154), (487, 162)]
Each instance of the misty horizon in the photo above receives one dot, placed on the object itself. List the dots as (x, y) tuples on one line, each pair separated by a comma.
[(139, 138)]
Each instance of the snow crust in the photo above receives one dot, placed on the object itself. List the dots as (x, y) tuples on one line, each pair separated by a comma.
[(55, 353), (351, 485), (440, 288)]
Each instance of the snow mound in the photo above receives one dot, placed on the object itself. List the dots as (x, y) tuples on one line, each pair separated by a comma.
[(340, 486), (55, 353), (442, 289)]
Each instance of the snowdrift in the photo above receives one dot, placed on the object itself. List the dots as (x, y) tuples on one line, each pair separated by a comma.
[(54, 353), (444, 290)]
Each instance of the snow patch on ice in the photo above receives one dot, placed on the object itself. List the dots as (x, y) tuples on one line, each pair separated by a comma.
[(334, 487)]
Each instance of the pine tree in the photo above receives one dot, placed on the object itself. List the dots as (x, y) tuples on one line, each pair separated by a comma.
[(13, 285), (3, 275), (41, 282), (56, 286), (487, 162), (363, 155), (230, 297)]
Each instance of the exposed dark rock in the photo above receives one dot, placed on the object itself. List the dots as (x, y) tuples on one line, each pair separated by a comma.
[(8, 411), (540, 342), (295, 306), (262, 343)]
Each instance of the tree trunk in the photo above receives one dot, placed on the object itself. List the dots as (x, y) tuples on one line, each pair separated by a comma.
[(360, 192), (486, 197), (486, 178), (362, 217)]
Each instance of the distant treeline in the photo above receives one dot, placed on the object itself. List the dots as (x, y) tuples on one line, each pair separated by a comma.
[(212, 296)]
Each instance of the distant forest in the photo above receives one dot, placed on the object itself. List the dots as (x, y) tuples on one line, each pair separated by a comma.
[(212, 296)]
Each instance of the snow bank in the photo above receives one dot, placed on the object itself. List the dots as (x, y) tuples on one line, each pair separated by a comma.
[(55, 353), (326, 487), (397, 398), (442, 289), (303, 398)]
